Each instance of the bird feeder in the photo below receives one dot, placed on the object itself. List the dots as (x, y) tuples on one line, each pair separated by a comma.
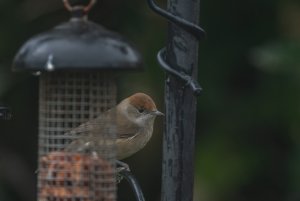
[(76, 62)]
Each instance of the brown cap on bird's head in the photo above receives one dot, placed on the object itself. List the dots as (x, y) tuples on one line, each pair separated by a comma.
[(143, 102)]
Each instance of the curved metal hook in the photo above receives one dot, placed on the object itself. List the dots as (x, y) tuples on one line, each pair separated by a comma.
[(188, 79), (134, 184), (192, 28)]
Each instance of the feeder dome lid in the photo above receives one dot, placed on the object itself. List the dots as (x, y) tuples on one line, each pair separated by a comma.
[(78, 44)]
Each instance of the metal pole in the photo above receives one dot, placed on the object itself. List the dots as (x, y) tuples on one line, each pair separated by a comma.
[(178, 142)]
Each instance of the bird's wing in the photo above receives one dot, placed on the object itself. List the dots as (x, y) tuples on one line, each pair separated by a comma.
[(127, 130), (101, 123), (88, 133), (82, 136)]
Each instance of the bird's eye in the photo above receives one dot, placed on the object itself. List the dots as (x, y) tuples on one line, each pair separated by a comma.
[(141, 110)]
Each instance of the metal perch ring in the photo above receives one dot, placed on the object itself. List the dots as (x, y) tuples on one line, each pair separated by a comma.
[(85, 8)]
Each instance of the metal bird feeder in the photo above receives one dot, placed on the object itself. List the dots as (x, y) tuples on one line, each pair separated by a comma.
[(75, 62)]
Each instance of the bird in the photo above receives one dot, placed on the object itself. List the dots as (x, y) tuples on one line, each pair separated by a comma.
[(131, 121)]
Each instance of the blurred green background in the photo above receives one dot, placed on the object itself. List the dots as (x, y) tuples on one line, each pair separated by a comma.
[(248, 117)]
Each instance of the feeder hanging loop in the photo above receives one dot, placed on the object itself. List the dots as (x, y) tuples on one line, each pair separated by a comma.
[(191, 28), (86, 9)]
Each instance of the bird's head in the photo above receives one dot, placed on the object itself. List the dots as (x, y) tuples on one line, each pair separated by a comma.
[(140, 108)]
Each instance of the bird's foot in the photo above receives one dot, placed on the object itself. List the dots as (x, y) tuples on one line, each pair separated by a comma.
[(121, 166)]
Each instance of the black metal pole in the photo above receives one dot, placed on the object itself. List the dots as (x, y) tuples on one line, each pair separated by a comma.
[(178, 143)]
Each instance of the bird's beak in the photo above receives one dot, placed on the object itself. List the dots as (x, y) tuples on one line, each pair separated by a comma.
[(158, 113)]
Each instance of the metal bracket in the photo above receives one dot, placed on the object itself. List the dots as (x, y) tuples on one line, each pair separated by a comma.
[(133, 183), (5, 113), (191, 28)]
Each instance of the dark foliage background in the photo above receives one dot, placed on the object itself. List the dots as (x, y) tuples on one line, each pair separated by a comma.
[(248, 130)]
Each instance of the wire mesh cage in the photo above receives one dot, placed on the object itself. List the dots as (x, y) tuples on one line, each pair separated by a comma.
[(68, 100)]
